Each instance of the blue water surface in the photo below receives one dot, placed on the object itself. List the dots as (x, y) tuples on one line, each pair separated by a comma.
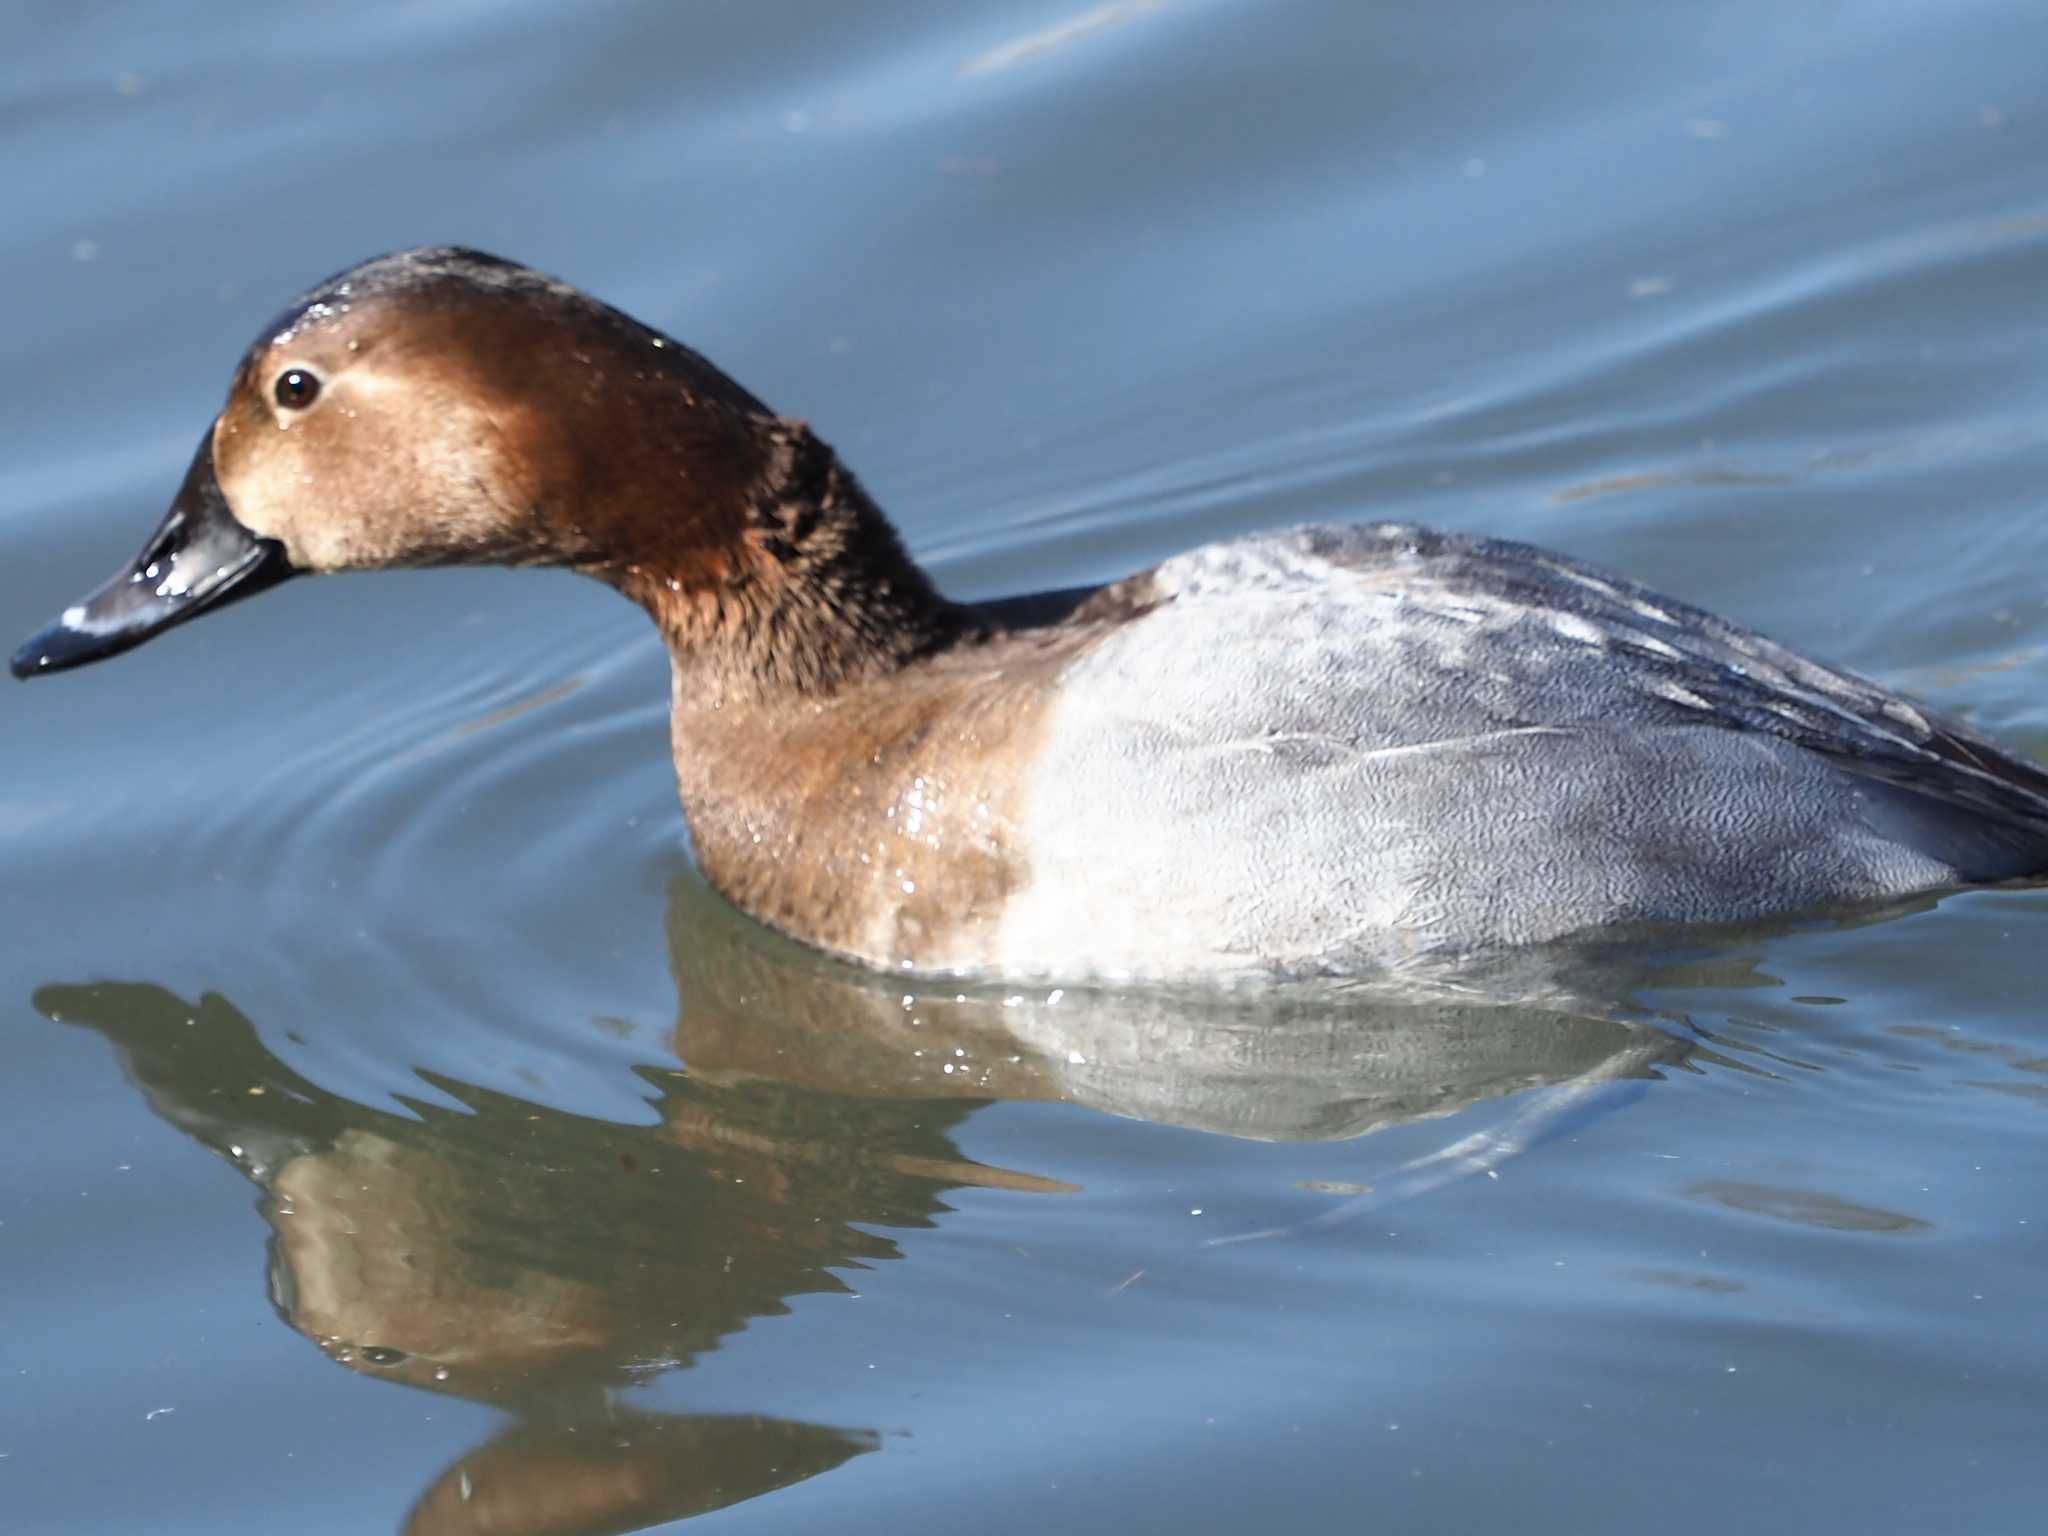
[(400, 1137)]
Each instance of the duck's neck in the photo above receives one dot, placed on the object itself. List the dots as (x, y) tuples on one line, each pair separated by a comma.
[(812, 688), (812, 593)]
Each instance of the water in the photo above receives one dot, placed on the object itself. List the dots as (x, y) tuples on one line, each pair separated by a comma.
[(362, 1001)]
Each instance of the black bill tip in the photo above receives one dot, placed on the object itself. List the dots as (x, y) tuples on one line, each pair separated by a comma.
[(53, 649), (199, 558)]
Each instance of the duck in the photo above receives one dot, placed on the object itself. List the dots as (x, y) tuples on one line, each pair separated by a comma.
[(1316, 752)]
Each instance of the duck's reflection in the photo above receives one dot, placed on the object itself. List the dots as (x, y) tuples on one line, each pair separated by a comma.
[(1298, 1065), (539, 1261), (536, 1260)]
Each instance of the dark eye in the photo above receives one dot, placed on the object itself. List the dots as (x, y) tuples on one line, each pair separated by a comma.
[(296, 389)]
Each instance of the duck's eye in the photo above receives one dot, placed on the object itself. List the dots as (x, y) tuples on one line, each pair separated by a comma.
[(296, 389)]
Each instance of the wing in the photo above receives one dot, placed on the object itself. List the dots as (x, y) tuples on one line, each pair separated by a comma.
[(1457, 635)]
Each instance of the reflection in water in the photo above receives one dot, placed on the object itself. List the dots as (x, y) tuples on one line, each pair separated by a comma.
[(2030, 1069), (541, 1261), (1806, 1207), (536, 1260), (1286, 1065), (644, 1470)]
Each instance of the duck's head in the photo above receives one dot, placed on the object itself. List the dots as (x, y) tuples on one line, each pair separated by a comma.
[(436, 407)]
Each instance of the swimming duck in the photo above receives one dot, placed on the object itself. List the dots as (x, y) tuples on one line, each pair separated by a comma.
[(1323, 751)]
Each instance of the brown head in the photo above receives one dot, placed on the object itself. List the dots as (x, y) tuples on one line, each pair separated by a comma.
[(441, 406)]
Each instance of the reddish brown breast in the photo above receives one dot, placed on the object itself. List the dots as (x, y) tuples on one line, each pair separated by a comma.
[(880, 822)]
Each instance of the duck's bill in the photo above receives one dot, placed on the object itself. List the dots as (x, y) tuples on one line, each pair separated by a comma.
[(198, 559)]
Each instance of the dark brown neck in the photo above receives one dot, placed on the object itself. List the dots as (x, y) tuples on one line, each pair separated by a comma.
[(814, 592)]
